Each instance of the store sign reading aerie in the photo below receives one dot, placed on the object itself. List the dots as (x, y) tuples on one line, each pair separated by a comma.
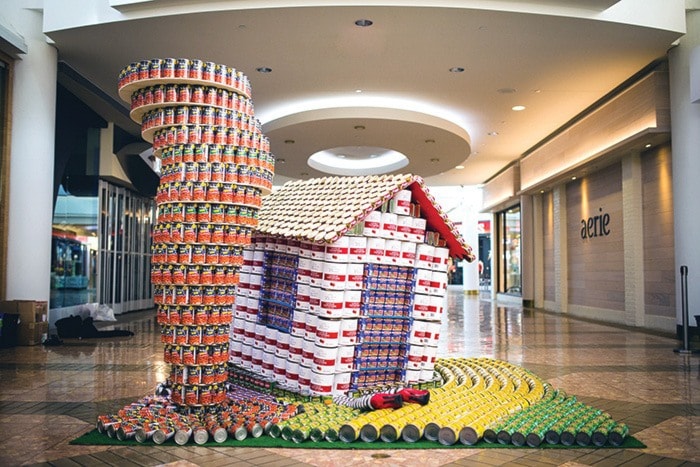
[(595, 226)]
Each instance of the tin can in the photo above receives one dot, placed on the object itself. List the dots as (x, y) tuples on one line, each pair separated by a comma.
[(199, 193), (162, 434), (204, 213), (207, 116), (181, 115), (208, 69), (204, 232), (184, 93), (171, 93), (182, 66), (182, 134), (210, 95), (167, 68), (198, 254), (195, 134), (233, 137), (213, 192)]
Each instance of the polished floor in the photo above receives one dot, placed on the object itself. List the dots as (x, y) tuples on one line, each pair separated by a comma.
[(50, 395)]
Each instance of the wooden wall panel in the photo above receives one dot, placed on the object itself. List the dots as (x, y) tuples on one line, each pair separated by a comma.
[(548, 246), (659, 265), (596, 265)]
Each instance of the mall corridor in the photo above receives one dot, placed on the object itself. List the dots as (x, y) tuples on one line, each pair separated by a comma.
[(51, 395)]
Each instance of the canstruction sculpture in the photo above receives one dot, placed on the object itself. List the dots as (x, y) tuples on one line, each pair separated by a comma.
[(314, 316)]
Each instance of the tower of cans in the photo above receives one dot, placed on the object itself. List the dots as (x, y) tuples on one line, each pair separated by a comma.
[(215, 164)]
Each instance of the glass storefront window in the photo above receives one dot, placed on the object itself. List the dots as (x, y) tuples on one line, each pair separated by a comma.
[(509, 229), (73, 251)]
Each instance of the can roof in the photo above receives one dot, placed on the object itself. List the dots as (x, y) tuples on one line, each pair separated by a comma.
[(321, 210)]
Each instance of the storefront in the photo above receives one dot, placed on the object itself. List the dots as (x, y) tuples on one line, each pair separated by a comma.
[(589, 231)]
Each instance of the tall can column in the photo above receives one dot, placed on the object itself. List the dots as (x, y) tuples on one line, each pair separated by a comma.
[(215, 166)]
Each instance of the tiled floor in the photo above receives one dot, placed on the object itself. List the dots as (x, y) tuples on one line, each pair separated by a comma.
[(50, 395)]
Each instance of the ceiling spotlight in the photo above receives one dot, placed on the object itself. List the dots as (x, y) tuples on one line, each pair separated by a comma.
[(289, 141), (281, 161), (456, 69), (493, 133), (648, 145), (359, 127), (518, 108), (429, 141), (573, 178), (358, 91), (459, 167), (363, 23), (264, 69), (342, 156), (434, 160)]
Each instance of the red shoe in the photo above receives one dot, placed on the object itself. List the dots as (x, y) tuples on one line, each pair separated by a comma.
[(386, 401), (417, 396)]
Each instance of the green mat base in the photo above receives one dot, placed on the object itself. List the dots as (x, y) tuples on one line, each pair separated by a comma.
[(95, 438)]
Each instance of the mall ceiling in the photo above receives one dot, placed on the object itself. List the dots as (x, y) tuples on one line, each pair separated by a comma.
[(438, 84)]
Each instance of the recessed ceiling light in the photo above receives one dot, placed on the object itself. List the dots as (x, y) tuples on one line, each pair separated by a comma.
[(456, 69), (359, 127), (358, 91), (429, 141), (506, 91), (264, 69), (459, 167), (518, 108), (342, 156), (541, 191), (363, 23), (289, 141), (573, 178), (648, 145), (493, 133), (434, 160), (281, 161)]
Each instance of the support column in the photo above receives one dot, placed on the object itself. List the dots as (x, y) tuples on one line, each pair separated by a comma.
[(31, 162), (538, 252), (527, 250), (633, 239), (561, 254), (470, 222), (685, 116)]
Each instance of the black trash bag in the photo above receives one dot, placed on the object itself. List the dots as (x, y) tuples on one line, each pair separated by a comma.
[(88, 329), (69, 327), (76, 327)]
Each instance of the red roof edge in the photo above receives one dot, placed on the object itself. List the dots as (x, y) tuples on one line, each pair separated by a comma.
[(438, 221)]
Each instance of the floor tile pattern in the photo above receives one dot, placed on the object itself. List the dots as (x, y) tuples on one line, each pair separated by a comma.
[(51, 395)]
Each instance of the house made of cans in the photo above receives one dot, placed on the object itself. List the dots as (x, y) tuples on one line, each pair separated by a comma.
[(344, 285)]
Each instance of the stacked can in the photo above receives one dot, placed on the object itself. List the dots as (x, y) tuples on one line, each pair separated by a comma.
[(215, 164)]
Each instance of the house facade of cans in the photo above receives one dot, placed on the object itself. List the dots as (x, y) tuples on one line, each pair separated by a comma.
[(343, 286)]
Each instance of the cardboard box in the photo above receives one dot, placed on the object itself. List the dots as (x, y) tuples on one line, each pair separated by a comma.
[(32, 333), (29, 311)]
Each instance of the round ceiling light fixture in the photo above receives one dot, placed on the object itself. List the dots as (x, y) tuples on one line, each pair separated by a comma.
[(264, 69), (456, 69), (364, 23), (357, 160)]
